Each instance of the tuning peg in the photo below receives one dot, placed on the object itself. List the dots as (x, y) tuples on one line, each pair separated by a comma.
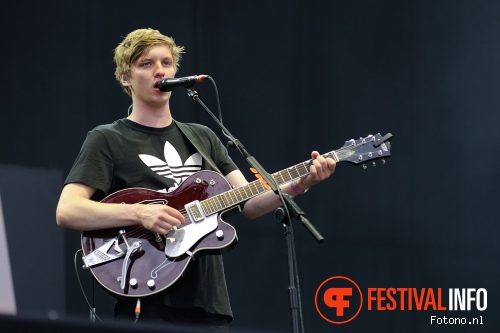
[(364, 166), (374, 164), (349, 143), (383, 161)]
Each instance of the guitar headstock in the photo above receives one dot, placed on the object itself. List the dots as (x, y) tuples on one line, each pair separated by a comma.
[(365, 150)]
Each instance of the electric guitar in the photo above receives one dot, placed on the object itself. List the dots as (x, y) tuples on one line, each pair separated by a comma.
[(135, 262)]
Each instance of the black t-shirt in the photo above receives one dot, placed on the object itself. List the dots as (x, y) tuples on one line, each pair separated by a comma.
[(125, 154)]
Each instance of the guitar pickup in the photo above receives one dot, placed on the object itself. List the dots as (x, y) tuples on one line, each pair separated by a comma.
[(195, 211)]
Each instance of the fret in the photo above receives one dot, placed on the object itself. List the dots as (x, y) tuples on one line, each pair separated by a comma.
[(277, 176), (222, 201), (293, 173), (298, 169), (208, 206), (261, 188), (289, 173), (303, 169), (205, 204), (229, 197), (234, 197), (244, 192), (248, 191), (215, 203), (252, 188), (239, 196)]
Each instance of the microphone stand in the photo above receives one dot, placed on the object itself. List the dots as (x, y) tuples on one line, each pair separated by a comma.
[(291, 209)]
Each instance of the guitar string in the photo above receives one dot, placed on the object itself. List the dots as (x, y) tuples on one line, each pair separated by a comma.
[(144, 233), (141, 232)]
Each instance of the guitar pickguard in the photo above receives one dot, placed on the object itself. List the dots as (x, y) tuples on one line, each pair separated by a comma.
[(181, 240)]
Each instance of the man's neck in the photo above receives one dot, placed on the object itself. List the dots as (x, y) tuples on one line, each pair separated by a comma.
[(150, 116)]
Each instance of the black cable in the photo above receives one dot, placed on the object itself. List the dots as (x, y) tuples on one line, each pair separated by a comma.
[(217, 99), (81, 287)]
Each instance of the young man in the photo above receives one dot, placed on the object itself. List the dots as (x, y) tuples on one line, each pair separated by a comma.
[(150, 149)]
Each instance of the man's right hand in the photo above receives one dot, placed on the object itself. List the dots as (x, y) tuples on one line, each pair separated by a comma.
[(159, 218)]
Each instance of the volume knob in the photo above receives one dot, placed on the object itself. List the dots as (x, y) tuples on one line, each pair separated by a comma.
[(219, 234)]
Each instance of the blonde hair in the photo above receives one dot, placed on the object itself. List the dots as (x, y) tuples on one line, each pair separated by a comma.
[(137, 44)]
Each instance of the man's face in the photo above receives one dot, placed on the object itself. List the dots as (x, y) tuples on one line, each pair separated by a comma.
[(156, 65)]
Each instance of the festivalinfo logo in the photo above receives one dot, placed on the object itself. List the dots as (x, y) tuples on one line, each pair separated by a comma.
[(339, 300)]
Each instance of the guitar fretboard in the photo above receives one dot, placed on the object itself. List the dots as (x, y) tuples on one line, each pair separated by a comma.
[(240, 194)]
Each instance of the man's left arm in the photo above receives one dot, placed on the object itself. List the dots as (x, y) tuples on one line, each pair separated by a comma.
[(321, 169)]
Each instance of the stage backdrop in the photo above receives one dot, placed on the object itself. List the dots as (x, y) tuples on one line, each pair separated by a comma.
[(293, 77)]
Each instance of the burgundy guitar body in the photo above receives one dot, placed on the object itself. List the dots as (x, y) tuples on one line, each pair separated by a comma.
[(152, 264)]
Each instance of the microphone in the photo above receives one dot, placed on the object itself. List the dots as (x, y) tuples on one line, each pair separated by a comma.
[(188, 81)]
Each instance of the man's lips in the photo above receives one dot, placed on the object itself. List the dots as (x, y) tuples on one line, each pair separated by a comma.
[(155, 86)]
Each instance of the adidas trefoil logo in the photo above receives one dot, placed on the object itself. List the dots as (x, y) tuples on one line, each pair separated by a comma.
[(173, 167)]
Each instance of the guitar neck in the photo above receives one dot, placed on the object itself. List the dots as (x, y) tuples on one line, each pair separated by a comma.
[(359, 151), (241, 194)]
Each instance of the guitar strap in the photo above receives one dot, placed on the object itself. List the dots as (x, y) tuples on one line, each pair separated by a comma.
[(197, 143)]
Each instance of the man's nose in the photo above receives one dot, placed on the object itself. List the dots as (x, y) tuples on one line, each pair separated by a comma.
[(159, 70)]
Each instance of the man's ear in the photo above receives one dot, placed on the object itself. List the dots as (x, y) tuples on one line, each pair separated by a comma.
[(125, 80)]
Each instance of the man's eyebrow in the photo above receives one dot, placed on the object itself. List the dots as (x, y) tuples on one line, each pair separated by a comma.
[(151, 58)]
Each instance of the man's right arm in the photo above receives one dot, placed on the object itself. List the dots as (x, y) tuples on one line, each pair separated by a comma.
[(76, 211)]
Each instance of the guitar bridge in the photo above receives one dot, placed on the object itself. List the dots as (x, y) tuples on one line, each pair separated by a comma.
[(195, 211), (101, 255)]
